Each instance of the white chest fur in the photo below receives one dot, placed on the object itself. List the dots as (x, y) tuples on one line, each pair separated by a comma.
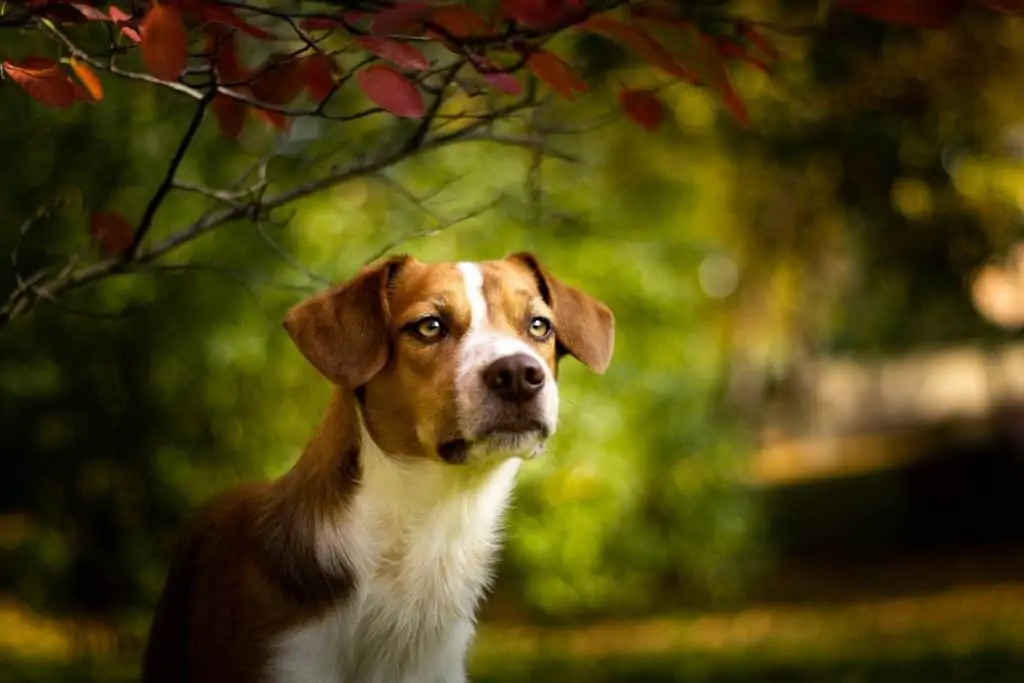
[(420, 538)]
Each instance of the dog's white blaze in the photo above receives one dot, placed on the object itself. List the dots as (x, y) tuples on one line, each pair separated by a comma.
[(473, 281)]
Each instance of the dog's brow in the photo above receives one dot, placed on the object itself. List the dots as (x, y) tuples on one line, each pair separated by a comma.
[(443, 300)]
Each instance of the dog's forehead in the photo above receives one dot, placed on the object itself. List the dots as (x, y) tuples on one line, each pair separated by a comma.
[(510, 288), (420, 283), (455, 286), (508, 279)]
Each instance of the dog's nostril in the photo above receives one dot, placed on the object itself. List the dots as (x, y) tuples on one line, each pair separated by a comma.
[(517, 378)]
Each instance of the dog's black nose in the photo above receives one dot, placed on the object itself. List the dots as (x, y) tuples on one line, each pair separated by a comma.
[(516, 378)]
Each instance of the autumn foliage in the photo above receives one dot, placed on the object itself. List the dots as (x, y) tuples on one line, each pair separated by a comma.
[(172, 34), (196, 47)]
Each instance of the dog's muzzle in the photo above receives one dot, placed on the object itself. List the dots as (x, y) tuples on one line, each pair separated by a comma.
[(513, 402)]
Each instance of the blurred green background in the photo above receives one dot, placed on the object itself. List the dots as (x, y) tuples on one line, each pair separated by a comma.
[(791, 471)]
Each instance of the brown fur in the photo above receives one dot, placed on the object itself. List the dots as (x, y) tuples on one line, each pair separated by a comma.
[(245, 572)]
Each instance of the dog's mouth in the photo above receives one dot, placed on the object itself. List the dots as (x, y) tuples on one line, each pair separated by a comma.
[(507, 435)]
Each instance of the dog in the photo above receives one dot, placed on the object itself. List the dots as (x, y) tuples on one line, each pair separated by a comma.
[(365, 562)]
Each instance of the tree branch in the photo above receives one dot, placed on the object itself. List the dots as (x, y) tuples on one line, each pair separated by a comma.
[(420, 134), (253, 202), (168, 181), (80, 54)]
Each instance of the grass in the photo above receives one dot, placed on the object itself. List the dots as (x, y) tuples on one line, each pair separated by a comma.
[(968, 634), (989, 664)]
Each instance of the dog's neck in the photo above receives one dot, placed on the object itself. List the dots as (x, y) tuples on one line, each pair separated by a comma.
[(350, 511)]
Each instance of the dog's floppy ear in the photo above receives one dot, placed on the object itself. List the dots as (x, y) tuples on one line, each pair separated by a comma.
[(343, 332), (584, 326)]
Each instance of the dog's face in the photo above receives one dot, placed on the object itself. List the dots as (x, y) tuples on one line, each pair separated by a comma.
[(455, 361)]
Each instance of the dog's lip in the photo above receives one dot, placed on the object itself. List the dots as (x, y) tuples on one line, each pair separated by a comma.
[(456, 451), (521, 425)]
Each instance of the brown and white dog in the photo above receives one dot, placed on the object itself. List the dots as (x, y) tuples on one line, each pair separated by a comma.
[(364, 563)]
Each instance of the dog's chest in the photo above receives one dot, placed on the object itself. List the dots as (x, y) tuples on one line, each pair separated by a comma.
[(422, 558)]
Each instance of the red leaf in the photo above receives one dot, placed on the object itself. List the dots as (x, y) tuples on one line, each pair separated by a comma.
[(729, 48), (230, 115), (656, 12), (120, 18), (89, 79), (922, 13), (164, 42), (328, 23), (458, 21), (455, 21), (275, 118), (280, 81), (321, 24), (43, 80), (89, 12), (320, 77), (643, 107), (117, 14), (554, 71), (111, 230), (503, 81), (538, 14), (81, 94), (755, 38), (640, 42), (399, 54), (391, 91), (225, 60), (404, 17), (717, 78), (224, 15)]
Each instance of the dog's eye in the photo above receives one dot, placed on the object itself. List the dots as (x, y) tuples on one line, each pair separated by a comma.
[(430, 328), (540, 328)]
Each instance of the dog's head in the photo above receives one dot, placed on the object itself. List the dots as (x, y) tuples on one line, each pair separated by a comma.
[(455, 361)]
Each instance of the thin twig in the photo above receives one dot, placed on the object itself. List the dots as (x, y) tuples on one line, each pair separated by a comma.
[(230, 197), (420, 134), (419, 202), (288, 258), (431, 231), (406, 194), (42, 214), (535, 145), (234, 274), (168, 180)]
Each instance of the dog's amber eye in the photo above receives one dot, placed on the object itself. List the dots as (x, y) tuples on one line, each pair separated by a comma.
[(540, 328), (429, 329)]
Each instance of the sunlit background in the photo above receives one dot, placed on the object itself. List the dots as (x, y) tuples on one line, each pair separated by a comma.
[(805, 464)]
